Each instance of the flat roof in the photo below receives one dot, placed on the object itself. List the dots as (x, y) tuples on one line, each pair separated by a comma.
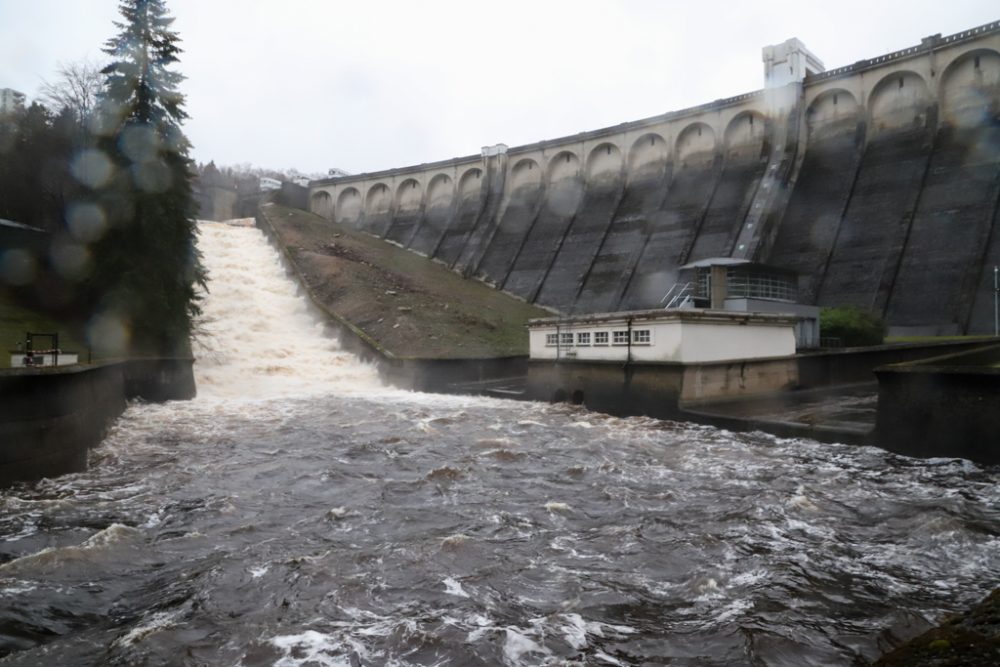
[(662, 314)]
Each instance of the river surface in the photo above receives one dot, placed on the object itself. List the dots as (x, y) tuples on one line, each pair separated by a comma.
[(299, 513)]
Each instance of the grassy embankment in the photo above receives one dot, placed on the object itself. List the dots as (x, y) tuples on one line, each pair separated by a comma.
[(17, 319), (407, 304), (936, 339)]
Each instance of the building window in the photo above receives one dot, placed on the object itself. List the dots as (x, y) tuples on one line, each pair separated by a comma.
[(583, 338), (619, 337), (551, 340), (600, 338), (641, 337), (566, 339)]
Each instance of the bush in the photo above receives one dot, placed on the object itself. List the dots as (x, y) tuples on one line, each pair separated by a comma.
[(853, 326)]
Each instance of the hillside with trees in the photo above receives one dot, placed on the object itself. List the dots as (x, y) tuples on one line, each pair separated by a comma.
[(108, 178)]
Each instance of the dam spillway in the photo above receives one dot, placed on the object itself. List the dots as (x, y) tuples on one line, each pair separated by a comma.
[(299, 512), (879, 183)]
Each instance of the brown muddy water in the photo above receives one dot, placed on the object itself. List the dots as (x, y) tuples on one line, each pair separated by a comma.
[(299, 513)]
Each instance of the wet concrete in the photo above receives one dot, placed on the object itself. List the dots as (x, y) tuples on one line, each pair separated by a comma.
[(844, 413)]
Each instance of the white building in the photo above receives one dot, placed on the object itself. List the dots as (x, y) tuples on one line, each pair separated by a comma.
[(19, 359), (678, 335), (11, 100), (267, 183)]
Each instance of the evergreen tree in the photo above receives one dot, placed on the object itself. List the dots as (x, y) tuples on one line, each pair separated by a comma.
[(146, 264)]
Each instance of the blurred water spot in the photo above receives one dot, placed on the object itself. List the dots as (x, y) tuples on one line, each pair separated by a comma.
[(17, 267), (86, 221), (152, 176), (92, 168), (108, 335), (71, 260), (139, 143)]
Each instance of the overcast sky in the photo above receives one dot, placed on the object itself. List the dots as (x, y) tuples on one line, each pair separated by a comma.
[(314, 84)]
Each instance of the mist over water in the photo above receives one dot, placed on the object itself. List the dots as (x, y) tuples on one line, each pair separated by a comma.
[(299, 513)]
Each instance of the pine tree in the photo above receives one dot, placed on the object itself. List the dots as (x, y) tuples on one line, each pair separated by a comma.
[(146, 264)]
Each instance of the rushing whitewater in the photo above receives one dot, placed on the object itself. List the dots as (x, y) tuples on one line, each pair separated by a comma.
[(259, 339), (298, 513)]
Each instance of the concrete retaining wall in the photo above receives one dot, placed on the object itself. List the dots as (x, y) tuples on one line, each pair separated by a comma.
[(948, 406), (665, 390), (49, 418)]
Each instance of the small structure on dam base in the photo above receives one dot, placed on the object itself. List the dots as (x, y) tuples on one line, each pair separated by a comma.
[(678, 335)]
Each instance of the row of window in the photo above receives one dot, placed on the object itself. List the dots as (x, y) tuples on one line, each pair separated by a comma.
[(584, 338)]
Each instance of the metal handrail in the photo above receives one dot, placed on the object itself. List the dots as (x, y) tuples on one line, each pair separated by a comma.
[(681, 298)]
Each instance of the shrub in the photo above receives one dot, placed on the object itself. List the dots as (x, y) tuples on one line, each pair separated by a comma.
[(853, 326)]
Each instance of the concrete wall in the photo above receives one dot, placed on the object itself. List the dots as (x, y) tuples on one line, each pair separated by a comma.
[(879, 182), (656, 389), (50, 418), (944, 407)]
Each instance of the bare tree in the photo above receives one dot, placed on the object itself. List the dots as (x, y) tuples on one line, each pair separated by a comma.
[(76, 88)]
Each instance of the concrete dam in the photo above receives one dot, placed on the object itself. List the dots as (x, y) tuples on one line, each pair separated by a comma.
[(878, 183)]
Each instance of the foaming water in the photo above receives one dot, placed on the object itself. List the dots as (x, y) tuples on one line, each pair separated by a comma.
[(298, 513), (260, 339)]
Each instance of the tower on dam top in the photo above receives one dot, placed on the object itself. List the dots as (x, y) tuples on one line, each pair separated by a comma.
[(789, 62)]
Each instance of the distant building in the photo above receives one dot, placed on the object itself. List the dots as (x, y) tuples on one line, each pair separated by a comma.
[(11, 100), (301, 180), (267, 183)]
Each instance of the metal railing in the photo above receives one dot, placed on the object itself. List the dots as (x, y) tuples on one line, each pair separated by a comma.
[(678, 296)]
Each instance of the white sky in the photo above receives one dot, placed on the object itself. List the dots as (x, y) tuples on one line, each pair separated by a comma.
[(314, 84)]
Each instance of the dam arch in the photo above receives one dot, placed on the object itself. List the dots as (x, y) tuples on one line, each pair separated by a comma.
[(832, 112), (440, 192), (695, 145), (515, 217), (348, 210), (321, 203), (899, 101), (745, 129), (409, 195), (437, 214), (467, 207), (604, 164), (470, 183), (524, 172), (377, 209), (406, 212), (970, 88), (647, 157), (565, 183)]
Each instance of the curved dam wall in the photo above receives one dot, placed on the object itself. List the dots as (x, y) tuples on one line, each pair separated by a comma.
[(878, 182)]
